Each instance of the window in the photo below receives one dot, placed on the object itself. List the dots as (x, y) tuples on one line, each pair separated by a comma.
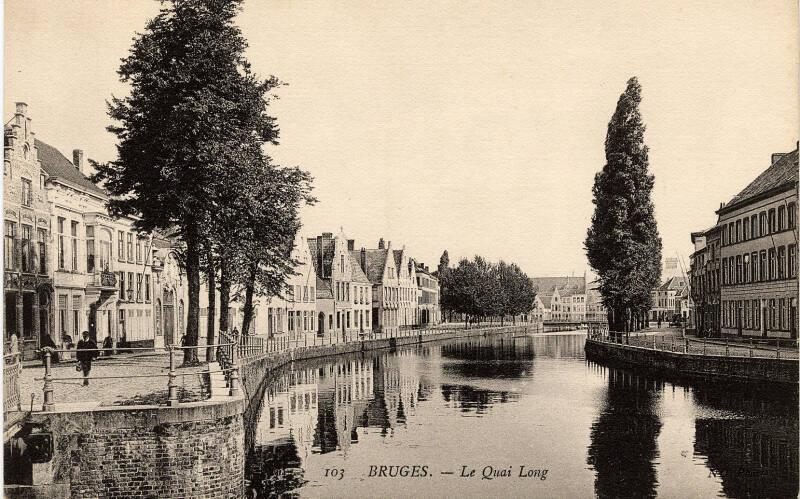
[(42, 241), (763, 267), (762, 220), (63, 327), (74, 246), (8, 245), (738, 270), (746, 230), (130, 247), (791, 217), (782, 262), (781, 218), (122, 285), (792, 260), (27, 248), (138, 250), (305, 294), (341, 263), (781, 314), (731, 233), (76, 307), (772, 274), (754, 226), (313, 294), (771, 221), (772, 314), (129, 291), (120, 246), (27, 194), (90, 249), (147, 287), (138, 287), (754, 267), (738, 231), (746, 268), (61, 249)]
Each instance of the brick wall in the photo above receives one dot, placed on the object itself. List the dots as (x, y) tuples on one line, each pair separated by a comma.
[(156, 453)]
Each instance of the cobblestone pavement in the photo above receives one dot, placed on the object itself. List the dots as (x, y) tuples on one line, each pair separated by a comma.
[(129, 388)]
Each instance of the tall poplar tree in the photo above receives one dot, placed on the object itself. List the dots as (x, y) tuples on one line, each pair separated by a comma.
[(623, 244), (195, 109)]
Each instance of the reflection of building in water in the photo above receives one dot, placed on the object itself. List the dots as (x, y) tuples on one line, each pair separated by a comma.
[(753, 457)]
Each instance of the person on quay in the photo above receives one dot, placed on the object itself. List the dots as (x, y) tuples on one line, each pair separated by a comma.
[(47, 342), (86, 352), (108, 345)]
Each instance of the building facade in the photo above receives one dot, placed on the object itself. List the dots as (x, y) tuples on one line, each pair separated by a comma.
[(27, 244), (428, 285), (566, 299), (667, 300), (705, 281), (758, 230)]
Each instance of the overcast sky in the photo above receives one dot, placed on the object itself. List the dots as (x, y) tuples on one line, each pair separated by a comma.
[(471, 126)]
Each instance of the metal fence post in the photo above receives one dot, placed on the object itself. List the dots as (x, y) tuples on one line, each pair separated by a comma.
[(172, 384), (48, 404)]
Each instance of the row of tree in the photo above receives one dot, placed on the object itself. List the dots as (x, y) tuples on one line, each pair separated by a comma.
[(481, 290), (192, 163)]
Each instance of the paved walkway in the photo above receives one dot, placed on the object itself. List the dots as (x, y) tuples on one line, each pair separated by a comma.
[(140, 379), (669, 338)]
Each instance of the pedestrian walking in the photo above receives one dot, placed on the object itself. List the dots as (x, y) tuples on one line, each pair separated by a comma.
[(87, 351)]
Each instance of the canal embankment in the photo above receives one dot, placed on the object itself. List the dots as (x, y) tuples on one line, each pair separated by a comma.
[(675, 360), (189, 449)]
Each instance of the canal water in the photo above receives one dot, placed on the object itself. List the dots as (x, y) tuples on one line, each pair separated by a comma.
[(506, 416)]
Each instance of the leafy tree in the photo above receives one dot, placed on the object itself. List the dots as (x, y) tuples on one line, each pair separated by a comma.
[(195, 107), (622, 243)]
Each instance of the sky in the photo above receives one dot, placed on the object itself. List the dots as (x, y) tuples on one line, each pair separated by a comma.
[(471, 126)]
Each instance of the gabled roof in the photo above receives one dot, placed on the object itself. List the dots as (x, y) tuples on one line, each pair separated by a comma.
[(375, 263), (571, 285), (398, 260), (323, 290), (57, 165), (782, 172), (327, 255), (546, 299), (357, 273), (673, 283)]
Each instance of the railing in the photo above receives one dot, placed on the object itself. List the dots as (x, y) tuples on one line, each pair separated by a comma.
[(682, 345), (12, 368), (231, 351)]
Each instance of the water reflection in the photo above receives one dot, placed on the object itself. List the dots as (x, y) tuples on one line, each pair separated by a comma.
[(510, 401), (623, 447)]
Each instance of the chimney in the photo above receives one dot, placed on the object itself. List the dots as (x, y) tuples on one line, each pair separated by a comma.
[(77, 160), (364, 259), (381, 244), (351, 244), (776, 156), (22, 108), (318, 256)]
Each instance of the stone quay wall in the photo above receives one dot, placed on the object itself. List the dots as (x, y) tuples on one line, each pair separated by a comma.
[(708, 367), (193, 450)]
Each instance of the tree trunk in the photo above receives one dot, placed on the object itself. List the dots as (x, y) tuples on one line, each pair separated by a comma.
[(224, 297), (248, 301), (193, 280), (211, 276)]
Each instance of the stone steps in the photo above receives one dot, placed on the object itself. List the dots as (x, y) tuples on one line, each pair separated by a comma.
[(218, 386)]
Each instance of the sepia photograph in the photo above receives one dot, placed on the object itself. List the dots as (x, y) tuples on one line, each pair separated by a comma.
[(400, 249)]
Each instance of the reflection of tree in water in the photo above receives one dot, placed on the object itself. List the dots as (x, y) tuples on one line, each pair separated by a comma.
[(753, 458), (469, 398), (274, 469), (505, 357), (623, 444)]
